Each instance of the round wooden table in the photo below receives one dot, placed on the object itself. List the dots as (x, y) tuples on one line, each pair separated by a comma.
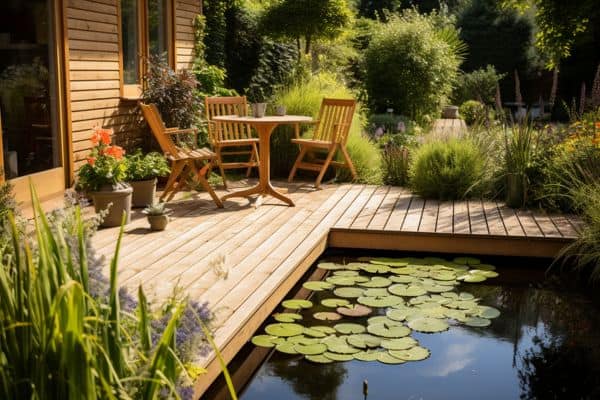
[(264, 126)]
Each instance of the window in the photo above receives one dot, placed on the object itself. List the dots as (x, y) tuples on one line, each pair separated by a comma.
[(145, 30)]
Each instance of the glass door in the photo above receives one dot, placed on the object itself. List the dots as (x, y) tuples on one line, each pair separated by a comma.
[(32, 135)]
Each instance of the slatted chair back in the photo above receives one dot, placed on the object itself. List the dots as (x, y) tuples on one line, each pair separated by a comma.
[(158, 128), (335, 119), (220, 106)]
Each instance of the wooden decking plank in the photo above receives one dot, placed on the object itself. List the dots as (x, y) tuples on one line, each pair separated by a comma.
[(430, 215), (385, 209), (370, 209), (564, 225), (461, 222), (510, 220), (348, 217), (399, 211), (477, 218), (546, 225), (528, 223), (493, 218), (445, 221), (413, 216)]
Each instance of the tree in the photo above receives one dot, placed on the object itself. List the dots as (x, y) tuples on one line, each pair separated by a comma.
[(374, 8), (307, 19)]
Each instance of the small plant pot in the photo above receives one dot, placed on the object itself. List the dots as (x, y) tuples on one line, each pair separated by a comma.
[(259, 109), (516, 189), (280, 110), (158, 222), (143, 192), (117, 201), (450, 112)]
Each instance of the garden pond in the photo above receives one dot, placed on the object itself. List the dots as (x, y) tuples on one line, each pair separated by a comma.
[(406, 327)]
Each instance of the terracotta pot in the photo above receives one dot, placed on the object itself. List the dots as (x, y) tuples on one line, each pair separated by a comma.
[(143, 192), (158, 222), (258, 109), (450, 112), (117, 200)]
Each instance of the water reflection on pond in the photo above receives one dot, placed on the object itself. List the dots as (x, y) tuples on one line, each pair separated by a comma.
[(545, 345)]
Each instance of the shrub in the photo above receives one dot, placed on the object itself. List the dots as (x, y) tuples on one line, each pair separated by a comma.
[(448, 170), (473, 112), (410, 66), (395, 165), (141, 167), (478, 85), (105, 164)]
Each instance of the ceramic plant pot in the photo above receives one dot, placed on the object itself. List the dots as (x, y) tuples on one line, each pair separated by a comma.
[(117, 200), (259, 109), (143, 192), (280, 110), (158, 222)]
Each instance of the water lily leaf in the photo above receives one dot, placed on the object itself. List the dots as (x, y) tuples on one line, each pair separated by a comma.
[(327, 316), (443, 275), (287, 348), (349, 328), (338, 356), (428, 325), (437, 288), (420, 299), (399, 344), (477, 322), (263, 340), (322, 328), (388, 330), (345, 273), (348, 292), (287, 317), (403, 270), (434, 312), (375, 268), (284, 329), (297, 304), (355, 266), (375, 292), (487, 274), (380, 301), (367, 355), (319, 359), (450, 295), (416, 353), (401, 314), (376, 282), (317, 285), (315, 333), (472, 278), (457, 315), (380, 319), (402, 278), (333, 303), (486, 267), (363, 341), (346, 280), (310, 349), (341, 348), (386, 358), (329, 266), (410, 291), (488, 312), (392, 262), (355, 310), (466, 261), (301, 339), (466, 296)]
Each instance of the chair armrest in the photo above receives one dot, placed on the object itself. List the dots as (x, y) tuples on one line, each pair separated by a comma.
[(177, 131)]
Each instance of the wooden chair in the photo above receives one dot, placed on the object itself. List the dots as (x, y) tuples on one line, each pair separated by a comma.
[(183, 161), (330, 135), (225, 136)]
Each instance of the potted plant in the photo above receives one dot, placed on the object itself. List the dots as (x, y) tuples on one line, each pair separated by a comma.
[(256, 96), (103, 179), (158, 216), (142, 171)]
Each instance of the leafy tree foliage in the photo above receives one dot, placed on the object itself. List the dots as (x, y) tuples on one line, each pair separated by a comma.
[(374, 8), (478, 85)]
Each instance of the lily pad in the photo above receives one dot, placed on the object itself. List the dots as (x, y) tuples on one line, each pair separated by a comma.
[(346, 280), (443, 275), (400, 314), (345, 272), (437, 288), (404, 270), (487, 274), (368, 355), (466, 296), (375, 268), (284, 329), (466, 261), (486, 267), (287, 348), (375, 292), (287, 317), (388, 330), (329, 266), (317, 285), (386, 358), (301, 339), (363, 341), (416, 353), (348, 292), (428, 325), (472, 278), (402, 278), (393, 262), (356, 310), (341, 348), (263, 340), (380, 301), (327, 316), (349, 328), (297, 304), (457, 315), (477, 322), (314, 332), (338, 356), (450, 295), (488, 312), (322, 328), (333, 303), (399, 344), (319, 359), (310, 349), (406, 291), (376, 282), (380, 319)]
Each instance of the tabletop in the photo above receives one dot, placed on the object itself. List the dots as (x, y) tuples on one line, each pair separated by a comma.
[(270, 119)]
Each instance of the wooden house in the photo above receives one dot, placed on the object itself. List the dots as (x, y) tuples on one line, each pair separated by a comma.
[(69, 65)]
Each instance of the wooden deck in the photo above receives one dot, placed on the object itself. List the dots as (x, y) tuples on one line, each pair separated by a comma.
[(243, 260)]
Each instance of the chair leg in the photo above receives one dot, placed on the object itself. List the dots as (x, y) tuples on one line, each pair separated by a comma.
[(330, 155), (253, 157), (204, 183), (176, 169), (349, 162), (296, 163), (220, 163), (182, 177)]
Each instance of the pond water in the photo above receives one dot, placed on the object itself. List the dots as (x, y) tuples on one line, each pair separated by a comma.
[(544, 345)]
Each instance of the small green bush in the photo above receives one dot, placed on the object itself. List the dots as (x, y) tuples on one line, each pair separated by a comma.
[(140, 167), (448, 170), (478, 85), (472, 112), (395, 165)]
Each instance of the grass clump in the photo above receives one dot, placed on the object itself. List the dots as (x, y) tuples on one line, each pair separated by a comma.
[(448, 170)]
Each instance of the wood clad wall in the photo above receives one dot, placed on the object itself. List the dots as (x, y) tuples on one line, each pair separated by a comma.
[(91, 29)]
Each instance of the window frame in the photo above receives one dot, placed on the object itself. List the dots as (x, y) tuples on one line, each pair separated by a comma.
[(134, 91)]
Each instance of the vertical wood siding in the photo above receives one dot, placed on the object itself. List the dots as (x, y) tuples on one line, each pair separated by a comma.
[(94, 69)]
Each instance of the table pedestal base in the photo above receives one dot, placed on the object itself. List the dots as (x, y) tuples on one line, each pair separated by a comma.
[(261, 191)]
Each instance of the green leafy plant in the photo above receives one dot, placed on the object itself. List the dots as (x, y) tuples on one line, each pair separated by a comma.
[(141, 167), (105, 165), (448, 170), (477, 85), (7, 199), (157, 209), (395, 164), (472, 111)]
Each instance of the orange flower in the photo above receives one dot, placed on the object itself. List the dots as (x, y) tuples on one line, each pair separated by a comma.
[(598, 125), (91, 161), (95, 138), (105, 135), (115, 151)]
